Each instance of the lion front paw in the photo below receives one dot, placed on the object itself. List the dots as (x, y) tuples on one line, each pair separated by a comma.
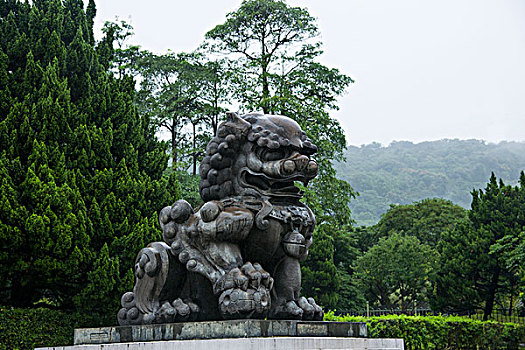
[(300, 309), (311, 311), (248, 276), (250, 303), (174, 219), (244, 292), (176, 311)]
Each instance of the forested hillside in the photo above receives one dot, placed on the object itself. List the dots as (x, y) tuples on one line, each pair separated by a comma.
[(405, 172)]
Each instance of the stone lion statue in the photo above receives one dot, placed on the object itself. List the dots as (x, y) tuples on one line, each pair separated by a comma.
[(239, 254)]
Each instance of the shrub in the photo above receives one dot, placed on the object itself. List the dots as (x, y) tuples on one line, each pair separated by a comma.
[(30, 328), (440, 332)]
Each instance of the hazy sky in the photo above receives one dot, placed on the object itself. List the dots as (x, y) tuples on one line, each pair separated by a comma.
[(424, 70)]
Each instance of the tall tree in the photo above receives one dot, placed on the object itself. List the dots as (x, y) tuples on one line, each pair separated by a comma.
[(498, 211), (475, 271), (512, 247), (184, 94), (396, 271), (275, 71), (457, 282), (261, 31), (426, 219), (168, 94), (274, 48), (81, 170)]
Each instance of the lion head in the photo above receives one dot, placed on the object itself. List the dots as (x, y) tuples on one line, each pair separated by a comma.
[(257, 155)]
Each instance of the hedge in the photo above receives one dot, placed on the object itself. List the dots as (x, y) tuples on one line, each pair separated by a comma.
[(440, 332), (29, 328)]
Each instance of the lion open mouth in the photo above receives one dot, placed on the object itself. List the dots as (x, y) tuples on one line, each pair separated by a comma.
[(273, 186)]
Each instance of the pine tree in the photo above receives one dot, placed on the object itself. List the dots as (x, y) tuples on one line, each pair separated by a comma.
[(82, 171), (475, 268)]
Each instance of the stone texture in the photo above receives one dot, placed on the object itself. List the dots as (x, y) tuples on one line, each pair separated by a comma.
[(219, 329), (214, 261), (281, 343)]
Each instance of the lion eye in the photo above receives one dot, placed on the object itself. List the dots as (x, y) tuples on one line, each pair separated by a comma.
[(274, 155), (270, 155)]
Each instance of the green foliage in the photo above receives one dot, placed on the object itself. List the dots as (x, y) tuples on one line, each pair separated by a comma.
[(170, 92), (187, 186), (266, 34), (455, 286), (404, 172), (82, 171), (438, 332), (396, 271), (23, 329), (400, 252), (478, 257), (182, 93), (326, 273), (426, 220)]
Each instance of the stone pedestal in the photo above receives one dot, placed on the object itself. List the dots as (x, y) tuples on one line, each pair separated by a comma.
[(218, 330), (279, 343), (231, 335)]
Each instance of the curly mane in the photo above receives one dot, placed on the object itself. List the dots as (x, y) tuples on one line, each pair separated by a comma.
[(215, 169)]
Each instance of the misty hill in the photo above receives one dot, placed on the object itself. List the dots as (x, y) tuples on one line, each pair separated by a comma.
[(405, 172)]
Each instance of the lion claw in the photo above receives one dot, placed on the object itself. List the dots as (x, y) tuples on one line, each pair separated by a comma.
[(248, 276), (257, 275), (300, 309), (238, 303), (173, 217), (317, 314)]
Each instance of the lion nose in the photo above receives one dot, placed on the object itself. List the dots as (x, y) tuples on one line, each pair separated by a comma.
[(301, 162)]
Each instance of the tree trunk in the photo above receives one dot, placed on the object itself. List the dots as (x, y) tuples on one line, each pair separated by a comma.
[(264, 76), (21, 295), (194, 151), (215, 121), (215, 117), (265, 91), (174, 145), (489, 302)]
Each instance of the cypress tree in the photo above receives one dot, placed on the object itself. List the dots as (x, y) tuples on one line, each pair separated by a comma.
[(478, 267), (81, 171)]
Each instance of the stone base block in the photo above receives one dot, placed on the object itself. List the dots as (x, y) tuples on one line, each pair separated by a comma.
[(219, 329), (279, 343)]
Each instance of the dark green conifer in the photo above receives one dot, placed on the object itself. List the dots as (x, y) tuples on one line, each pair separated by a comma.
[(478, 267), (81, 170)]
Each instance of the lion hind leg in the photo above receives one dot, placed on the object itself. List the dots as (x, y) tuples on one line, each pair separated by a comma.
[(159, 281)]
